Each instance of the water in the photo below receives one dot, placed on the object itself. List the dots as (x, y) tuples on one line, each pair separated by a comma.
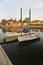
[(26, 53)]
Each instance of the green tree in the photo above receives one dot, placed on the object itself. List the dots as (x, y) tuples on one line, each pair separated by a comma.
[(3, 21), (14, 20)]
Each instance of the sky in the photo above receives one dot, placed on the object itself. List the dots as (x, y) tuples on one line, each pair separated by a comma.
[(11, 9)]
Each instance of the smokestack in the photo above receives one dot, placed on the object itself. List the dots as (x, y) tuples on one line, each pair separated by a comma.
[(21, 19), (30, 20), (29, 15), (21, 14)]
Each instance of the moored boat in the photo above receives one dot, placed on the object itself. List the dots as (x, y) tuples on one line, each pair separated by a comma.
[(30, 36)]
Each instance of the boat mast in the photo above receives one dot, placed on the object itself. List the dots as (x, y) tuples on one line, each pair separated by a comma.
[(21, 19), (30, 19)]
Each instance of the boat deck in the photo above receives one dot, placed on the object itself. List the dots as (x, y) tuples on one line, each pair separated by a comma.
[(10, 34), (13, 36), (27, 37)]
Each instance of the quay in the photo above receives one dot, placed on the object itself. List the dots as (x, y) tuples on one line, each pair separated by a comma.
[(4, 60)]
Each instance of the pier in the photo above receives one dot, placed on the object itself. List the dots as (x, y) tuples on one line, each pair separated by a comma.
[(4, 60)]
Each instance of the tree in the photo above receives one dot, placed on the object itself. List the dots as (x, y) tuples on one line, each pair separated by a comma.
[(24, 21), (3, 21), (14, 20), (11, 19), (36, 20)]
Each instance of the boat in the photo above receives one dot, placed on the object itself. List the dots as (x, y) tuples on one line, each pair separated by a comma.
[(30, 36), (2, 36)]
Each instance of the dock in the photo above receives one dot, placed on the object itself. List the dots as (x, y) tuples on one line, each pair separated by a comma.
[(4, 60)]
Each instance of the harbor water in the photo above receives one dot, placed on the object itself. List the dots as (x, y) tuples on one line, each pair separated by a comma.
[(26, 53)]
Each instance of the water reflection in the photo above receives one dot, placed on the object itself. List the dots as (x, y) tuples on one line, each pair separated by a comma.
[(26, 53), (29, 42), (37, 30), (21, 53)]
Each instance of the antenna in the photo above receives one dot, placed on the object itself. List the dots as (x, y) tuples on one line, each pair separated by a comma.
[(30, 19), (21, 19)]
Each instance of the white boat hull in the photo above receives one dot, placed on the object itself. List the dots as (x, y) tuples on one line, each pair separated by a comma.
[(28, 37), (2, 36)]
